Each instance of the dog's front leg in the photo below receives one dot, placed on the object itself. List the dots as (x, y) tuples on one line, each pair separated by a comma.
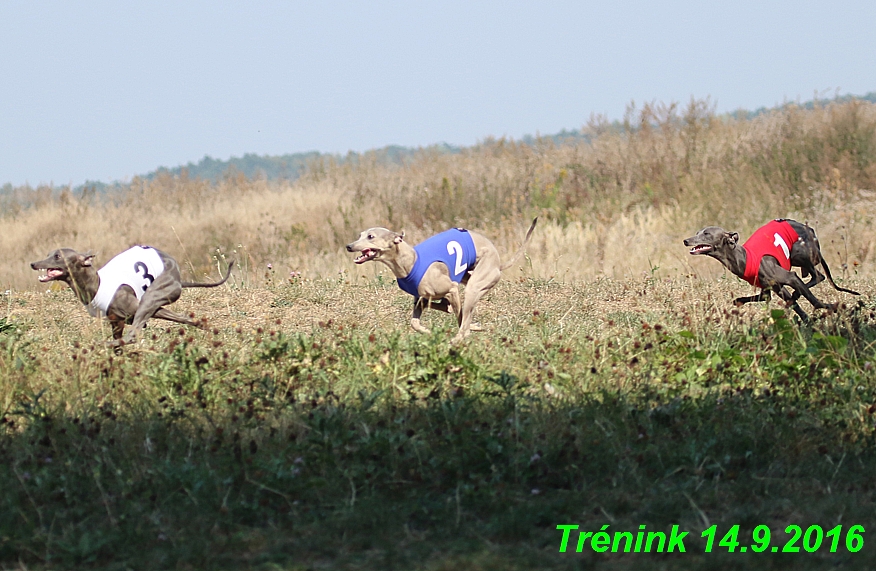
[(455, 301), (764, 295), (118, 327), (419, 304)]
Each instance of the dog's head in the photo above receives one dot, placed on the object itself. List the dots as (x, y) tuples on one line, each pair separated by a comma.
[(372, 243), (711, 239), (60, 263)]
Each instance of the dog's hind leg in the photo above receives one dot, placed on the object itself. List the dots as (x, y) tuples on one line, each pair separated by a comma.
[(482, 280), (791, 300), (807, 268), (793, 281), (774, 276), (168, 315), (164, 290)]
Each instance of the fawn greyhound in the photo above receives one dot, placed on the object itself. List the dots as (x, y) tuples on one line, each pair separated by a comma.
[(765, 260), (432, 270), (131, 288)]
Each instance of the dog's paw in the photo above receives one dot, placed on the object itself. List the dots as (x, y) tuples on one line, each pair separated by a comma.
[(116, 345), (415, 324), (460, 337)]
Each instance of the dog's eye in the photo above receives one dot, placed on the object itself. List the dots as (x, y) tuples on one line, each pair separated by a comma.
[(370, 236), (57, 256)]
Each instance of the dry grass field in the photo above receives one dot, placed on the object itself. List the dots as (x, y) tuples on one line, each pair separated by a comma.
[(617, 207), (308, 427)]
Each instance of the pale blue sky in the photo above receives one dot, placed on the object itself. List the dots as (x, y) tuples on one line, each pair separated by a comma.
[(105, 90)]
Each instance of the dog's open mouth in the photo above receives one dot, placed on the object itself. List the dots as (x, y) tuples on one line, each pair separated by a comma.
[(52, 274), (701, 249), (366, 255)]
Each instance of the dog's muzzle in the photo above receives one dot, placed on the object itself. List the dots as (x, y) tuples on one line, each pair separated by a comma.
[(366, 255), (701, 249)]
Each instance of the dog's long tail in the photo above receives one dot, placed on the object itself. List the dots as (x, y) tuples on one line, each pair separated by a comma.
[(830, 278), (522, 249), (214, 284)]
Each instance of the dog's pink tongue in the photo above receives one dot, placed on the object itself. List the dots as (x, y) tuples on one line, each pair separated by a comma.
[(363, 257)]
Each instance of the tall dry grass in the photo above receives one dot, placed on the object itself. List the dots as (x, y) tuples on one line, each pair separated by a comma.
[(617, 205)]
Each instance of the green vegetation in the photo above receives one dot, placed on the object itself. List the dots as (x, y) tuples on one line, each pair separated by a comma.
[(356, 444)]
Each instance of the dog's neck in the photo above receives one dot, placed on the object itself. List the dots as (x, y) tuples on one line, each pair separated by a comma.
[(733, 258), (84, 282), (400, 259)]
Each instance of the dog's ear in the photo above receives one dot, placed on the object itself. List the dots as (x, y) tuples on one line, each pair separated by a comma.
[(731, 238), (86, 259), (399, 238)]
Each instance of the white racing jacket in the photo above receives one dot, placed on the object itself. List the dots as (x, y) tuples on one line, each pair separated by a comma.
[(137, 268)]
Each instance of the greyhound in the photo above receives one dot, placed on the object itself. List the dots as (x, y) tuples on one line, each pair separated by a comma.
[(766, 259), (123, 290), (432, 270)]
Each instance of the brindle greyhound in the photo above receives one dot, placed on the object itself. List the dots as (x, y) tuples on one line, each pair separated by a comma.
[(436, 289), (804, 253), (77, 271)]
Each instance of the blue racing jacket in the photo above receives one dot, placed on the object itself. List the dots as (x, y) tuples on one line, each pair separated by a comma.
[(454, 248)]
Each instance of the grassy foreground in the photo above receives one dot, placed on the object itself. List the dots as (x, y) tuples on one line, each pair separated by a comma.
[(309, 428)]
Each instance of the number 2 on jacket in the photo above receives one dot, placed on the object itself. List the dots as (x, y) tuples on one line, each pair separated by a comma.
[(454, 248)]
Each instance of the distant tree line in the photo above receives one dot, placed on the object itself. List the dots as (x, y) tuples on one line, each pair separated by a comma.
[(290, 166)]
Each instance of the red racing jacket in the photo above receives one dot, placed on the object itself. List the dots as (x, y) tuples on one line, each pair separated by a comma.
[(775, 239)]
